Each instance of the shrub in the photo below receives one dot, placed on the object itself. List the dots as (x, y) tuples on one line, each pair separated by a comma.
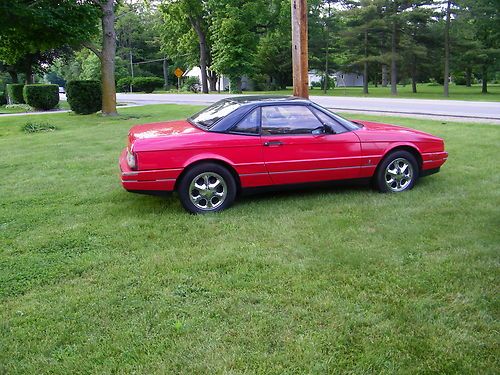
[(15, 93), (3, 99), (315, 84), (36, 127), (191, 84), (22, 107), (43, 97), (84, 97), (459, 79), (123, 84), (147, 84)]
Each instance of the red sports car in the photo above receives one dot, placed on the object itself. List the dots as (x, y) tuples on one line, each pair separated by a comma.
[(253, 142)]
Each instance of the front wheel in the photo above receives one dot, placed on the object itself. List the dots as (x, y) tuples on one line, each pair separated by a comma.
[(398, 172), (207, 187)]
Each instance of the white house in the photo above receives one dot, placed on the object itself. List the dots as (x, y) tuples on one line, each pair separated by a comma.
[(342, 79), (222, 82)]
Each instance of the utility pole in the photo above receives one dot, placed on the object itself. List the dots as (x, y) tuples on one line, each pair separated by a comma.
[(299, 49), (131, 70), (165, 73)]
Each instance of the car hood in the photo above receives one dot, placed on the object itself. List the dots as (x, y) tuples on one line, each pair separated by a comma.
[(162, 129), (374, 131)]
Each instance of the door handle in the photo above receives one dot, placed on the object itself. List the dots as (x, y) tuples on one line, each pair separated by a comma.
[(273, 143)]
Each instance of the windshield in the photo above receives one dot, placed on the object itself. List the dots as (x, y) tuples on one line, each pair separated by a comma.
[(209, 116)]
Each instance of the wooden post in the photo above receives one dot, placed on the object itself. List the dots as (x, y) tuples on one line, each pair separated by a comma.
[(299, 49)]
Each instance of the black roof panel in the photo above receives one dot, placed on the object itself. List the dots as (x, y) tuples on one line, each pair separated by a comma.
[(254, 99)]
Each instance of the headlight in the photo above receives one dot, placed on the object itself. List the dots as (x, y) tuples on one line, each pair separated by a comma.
[(131, 160)]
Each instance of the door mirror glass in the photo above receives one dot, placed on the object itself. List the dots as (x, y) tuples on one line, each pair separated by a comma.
[(319, 130)]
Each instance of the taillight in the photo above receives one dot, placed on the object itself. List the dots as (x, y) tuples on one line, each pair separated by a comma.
[(131, 159)]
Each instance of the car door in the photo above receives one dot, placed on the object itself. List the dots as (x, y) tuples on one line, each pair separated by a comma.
[(296, 150)]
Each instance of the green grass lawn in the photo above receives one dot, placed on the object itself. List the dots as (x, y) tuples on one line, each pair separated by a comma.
[(63, 104), (344, 280), (424, 91)]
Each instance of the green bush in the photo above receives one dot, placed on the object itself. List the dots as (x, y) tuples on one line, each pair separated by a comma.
[(37, 127), (459, 79), (84, 97), (15, 93), (3, 99), (42, 97), (123, 84), (191, 84), (147, 84)]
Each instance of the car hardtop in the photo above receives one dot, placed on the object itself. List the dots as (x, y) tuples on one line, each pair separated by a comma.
[(248, 103), (267, 99)]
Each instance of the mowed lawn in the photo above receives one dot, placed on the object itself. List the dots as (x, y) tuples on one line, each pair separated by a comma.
[(343, 280)]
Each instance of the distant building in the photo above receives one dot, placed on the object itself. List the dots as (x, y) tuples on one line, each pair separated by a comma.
[(342, 79)]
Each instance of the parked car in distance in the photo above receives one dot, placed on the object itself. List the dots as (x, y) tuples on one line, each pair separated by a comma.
[(262, 141)]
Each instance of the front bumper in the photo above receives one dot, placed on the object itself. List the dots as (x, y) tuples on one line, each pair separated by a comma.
[(150, 180)]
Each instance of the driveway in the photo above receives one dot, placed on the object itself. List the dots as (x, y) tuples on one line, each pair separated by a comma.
[(436, 109)]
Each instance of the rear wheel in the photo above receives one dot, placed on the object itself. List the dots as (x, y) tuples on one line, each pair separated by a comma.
[(397, 173), (207, 187)]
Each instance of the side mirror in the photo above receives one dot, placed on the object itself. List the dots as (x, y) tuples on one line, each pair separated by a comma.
[(320, 130)]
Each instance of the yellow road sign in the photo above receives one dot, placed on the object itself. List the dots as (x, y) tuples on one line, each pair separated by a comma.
[(178, 72)]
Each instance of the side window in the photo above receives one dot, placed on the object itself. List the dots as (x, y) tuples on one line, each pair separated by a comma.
[(327, 120), (249, 124), (288, 119)]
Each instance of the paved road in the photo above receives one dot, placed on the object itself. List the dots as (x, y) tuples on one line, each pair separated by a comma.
[(439, 109), (446, 110)]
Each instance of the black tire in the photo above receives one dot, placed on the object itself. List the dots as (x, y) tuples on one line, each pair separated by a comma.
[(391, 175), (210, 195)]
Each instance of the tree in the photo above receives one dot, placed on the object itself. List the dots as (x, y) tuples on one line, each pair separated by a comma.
[(447, 49), (186, 21), (485, 21), (364, 28), (274, 49), (234, 35), (33, 32), (106, 54), (418, 44)]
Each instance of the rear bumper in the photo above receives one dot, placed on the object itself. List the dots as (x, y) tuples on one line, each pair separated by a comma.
[(151, 180), (432, 161)]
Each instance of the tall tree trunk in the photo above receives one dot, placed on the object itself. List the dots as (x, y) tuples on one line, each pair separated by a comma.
[(13, 76), (212, 80), (414, 75), (202, 41), (326, 77), (484, 89), (165, 73), (384, 75), (447, 51), (365, 65), (235, 84), (468, 77), (108, 59), (394, 68), (29, 75)]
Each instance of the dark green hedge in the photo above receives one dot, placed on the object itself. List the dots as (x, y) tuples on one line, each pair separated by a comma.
[(123, 84), (147, 84), (3, 99), (139, 84), (15, 93), (40, 96), (84, 97)]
